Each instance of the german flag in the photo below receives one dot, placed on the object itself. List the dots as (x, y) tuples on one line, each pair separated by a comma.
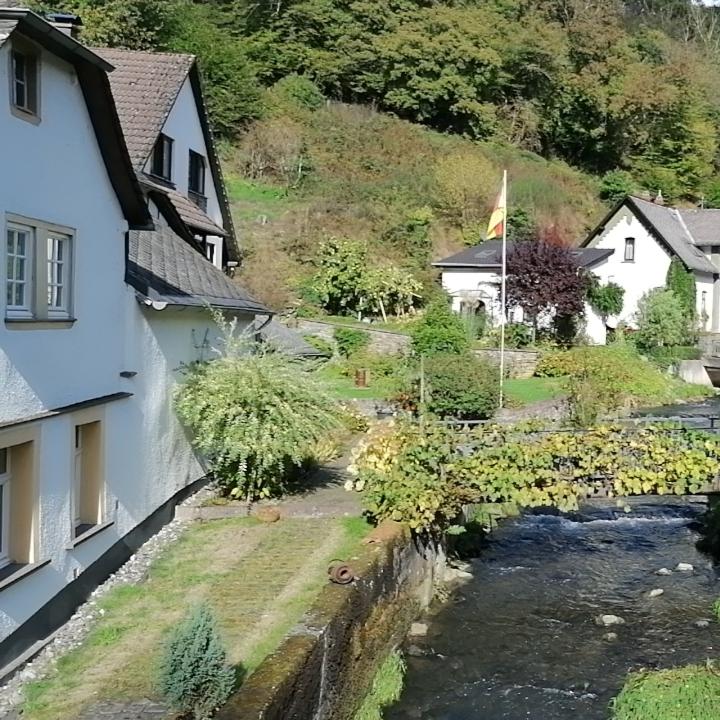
[(497, 219)]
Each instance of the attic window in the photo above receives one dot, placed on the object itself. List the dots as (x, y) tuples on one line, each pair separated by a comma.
[(162, 158), (629, 250), (24, 82)]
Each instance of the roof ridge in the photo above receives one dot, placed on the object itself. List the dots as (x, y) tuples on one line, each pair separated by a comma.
[(155, 53), (685, 228)]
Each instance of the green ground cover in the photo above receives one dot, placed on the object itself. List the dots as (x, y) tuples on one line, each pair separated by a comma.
[(343, 386), (258, 579), (525, 391)]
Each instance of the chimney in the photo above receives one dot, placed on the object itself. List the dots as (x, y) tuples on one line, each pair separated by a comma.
[(659, 199), (65, 23)]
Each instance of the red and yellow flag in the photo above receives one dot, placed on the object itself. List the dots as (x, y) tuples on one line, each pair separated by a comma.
[(497, 219)]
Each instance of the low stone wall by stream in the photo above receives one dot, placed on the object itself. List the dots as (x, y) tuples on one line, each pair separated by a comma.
[(323, 670)]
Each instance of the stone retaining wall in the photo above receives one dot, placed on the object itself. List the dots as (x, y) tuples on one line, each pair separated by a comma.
[(381, 341), (324, 669), (519, 363)]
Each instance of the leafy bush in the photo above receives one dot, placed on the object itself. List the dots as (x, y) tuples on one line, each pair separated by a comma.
[(350, 341), (687, 693), (616, 185), (606, 299), (194, 675), (681, 282), (424, 474), (664, 357), (439, 331), (557, 363), (299, 91), (459, 386), (254, 415), (660, 320)]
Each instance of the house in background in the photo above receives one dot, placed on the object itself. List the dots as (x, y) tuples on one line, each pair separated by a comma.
[(643, 238), (472, 278), (632, 247), (114, 228)]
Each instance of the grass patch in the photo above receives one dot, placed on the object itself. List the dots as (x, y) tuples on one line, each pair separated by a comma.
[(252, 199), (258, 579), (386, 688), (343, 387), (402, 327), (525, 391), (689, 693)]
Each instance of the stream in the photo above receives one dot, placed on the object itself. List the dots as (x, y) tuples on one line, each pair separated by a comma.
[(520, 640)]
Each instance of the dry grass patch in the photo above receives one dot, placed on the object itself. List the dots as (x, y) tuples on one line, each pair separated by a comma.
[(259, 579)]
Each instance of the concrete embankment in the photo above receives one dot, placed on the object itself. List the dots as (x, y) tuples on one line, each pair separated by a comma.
[(324, 668)]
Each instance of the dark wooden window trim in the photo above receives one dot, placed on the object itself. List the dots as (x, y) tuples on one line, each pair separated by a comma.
[(91, 532), (31, 110), (161, 164), (629, 244), (15, 572)]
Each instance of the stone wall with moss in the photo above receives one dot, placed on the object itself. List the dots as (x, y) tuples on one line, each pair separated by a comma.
[(323, 670)]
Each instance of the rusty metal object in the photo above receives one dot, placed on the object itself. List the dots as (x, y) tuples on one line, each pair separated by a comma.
[(340, 573)]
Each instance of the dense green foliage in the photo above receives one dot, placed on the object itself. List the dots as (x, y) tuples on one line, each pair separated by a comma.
[(194, 676), (667, 356), (660, 320), (349, 341), (681, 282), (386, 688), (424, 474), (439, 331), (606, 299), (255, 415), (464, 387), (687, 693)]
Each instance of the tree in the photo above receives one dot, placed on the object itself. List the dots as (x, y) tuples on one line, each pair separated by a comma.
[(660, 320), (543, 277), (439, 331)]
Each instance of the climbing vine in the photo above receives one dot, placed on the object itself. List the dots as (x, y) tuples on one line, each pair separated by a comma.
[(424, 475)]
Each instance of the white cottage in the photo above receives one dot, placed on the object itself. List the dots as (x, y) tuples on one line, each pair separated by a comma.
[(115, 229), (643, 237)]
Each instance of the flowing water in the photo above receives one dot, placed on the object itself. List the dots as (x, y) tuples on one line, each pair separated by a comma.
[(521, 641)]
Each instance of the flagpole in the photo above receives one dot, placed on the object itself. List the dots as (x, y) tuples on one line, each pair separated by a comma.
[(503, 296)]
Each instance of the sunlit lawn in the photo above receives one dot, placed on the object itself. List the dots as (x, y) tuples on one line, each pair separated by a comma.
[(526, 391)]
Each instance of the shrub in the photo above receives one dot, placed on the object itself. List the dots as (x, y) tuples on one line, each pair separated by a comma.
[(616, 185), (194, 675), (688, 693), (556, 363), (350, 341), (681, 282), (664, 357), (660, 320), (321, 344), (299, 91), (254, 414), (439, 331), (606, 299), (459, 386)]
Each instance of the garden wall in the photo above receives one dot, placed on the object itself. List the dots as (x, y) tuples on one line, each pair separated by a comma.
[(519, 363), (381, 341), (324, 669)]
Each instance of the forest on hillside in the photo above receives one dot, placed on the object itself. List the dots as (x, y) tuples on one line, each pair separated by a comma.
[(388, 122)]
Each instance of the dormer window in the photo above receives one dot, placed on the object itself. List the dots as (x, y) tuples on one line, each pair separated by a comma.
[(24, 82), (161, 165)]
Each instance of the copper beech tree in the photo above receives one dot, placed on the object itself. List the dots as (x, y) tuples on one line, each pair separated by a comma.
[(544, 277)]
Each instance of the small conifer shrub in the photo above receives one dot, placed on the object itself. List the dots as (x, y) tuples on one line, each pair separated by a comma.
[(194, 676)]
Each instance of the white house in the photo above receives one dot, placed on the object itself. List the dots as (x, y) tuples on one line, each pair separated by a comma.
[(110, 206), (472, 277), (643, 237), (632, 247)]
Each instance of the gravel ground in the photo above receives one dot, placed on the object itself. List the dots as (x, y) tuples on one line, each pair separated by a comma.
[(72, 634)]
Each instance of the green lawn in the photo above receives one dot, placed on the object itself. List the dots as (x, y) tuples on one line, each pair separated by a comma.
[(258, 578), (535, 389), (343, 387), (250, 199)]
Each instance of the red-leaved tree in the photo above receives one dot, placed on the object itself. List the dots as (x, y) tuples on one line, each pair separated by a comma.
[(543, 277)]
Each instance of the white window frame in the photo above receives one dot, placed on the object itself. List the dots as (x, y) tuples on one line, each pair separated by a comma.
[(28, 110), (41, 269), (26, 309), (5, 478), (629, 245)]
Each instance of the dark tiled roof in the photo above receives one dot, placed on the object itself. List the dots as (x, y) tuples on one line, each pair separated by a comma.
[(287, 340), (7, 25), (489, 255), (190, 213), (163, 267), (145, 86), (671, 226)]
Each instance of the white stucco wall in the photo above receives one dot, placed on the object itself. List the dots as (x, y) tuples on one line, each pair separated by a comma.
[(183, 126), (147, 458), (54, 172), (648, 271)]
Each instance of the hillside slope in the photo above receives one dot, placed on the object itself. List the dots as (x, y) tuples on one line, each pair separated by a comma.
[(412, 194)]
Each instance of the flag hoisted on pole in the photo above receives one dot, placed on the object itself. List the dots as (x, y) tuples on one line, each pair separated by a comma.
[(498, 228)]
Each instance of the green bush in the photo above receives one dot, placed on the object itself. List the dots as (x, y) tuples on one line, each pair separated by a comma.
[(616, 185), (664, 357), (681, 282), (606, 299), (458, 386), (350, 341), (688, 693), (556, 363), (299, 91), (194, 676), (255, 415), (439, 331), (660, 319)]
